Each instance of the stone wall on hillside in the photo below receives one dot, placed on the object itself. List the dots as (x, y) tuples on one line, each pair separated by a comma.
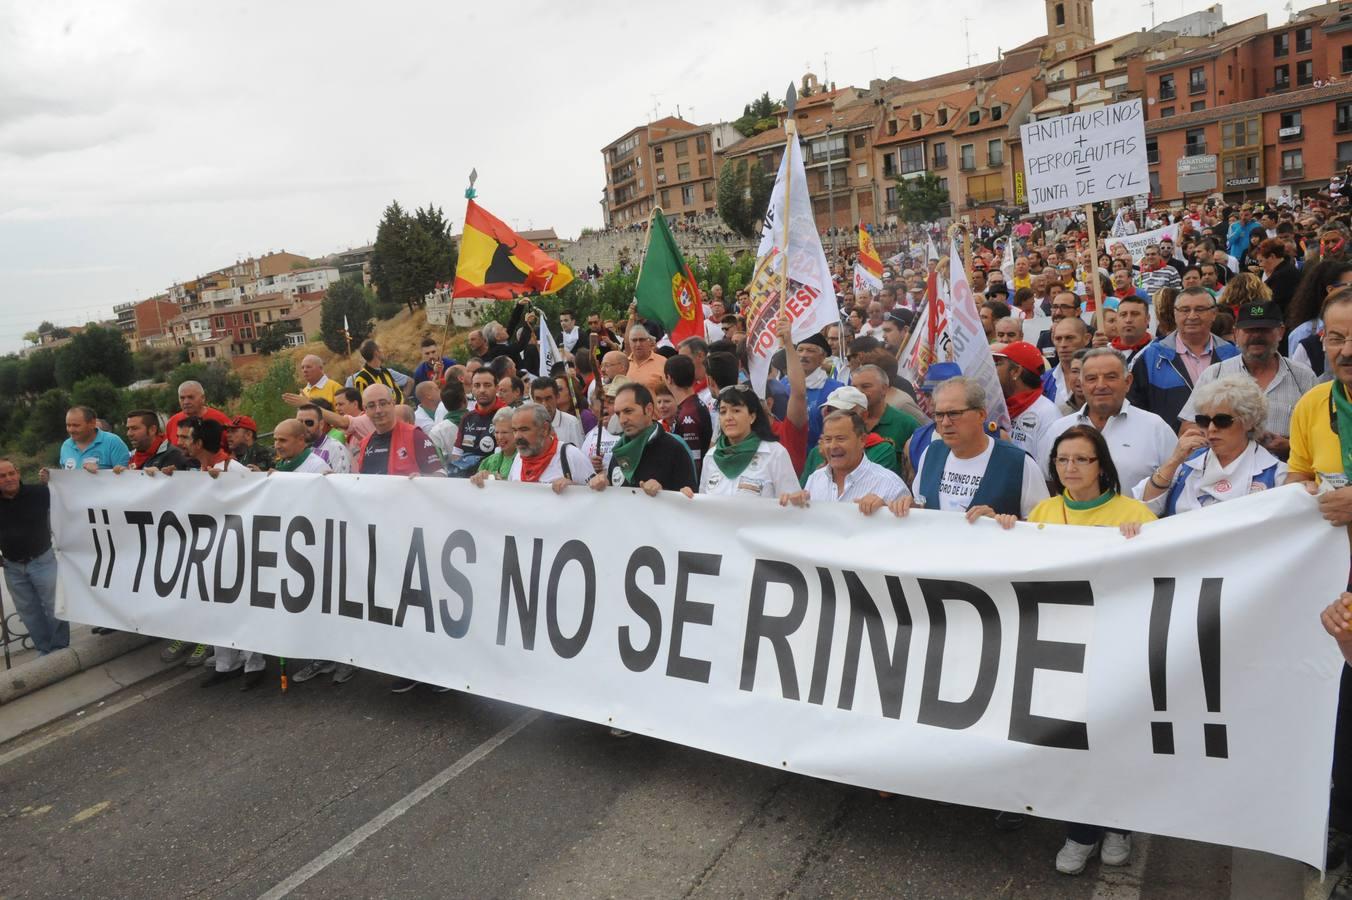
[(608, 249)]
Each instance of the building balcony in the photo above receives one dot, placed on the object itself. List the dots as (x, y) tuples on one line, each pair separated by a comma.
[(1152, 157), (940, 162), (1169, 93), (1197, 148), (1196, 87), (1290, 133), (1342, 127), (1295, 174), (967, 166)]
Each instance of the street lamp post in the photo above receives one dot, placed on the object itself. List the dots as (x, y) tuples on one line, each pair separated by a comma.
[(831, 196)]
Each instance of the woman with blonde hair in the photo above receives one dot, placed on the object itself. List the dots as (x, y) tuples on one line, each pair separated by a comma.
[(1243, 289), (1164, 311)]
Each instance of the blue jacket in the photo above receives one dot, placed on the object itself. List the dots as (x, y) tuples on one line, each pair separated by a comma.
[(1160, 381)]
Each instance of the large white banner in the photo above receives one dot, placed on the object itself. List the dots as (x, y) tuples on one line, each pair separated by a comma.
[(1174, 683), (1136, 243), (1085, 157)]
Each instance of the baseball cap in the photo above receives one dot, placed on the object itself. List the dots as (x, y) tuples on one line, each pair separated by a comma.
[(1258, 315), (846, 398), (245, 422), (618, 382), (1023, 354), (938, 373)]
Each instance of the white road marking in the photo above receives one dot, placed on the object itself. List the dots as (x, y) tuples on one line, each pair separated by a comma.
[(1124, 882), (67, 730), (419, 794)]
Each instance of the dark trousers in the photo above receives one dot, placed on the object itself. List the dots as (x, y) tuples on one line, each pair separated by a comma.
[(1340, 796), (1088, 834)]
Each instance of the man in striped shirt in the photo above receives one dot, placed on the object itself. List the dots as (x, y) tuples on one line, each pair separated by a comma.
[(1156, 274), (849, 475)]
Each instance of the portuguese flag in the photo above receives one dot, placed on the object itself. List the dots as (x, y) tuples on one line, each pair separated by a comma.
[(666, 291), (498, 263)]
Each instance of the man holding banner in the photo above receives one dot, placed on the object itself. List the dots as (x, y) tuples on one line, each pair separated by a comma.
[(647, 457)]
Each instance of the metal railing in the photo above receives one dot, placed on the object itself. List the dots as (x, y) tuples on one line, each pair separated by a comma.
[(8, 633)]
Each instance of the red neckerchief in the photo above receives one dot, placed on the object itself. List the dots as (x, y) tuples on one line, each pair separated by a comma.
[(139, 459), (872, 439), (1118, 345), (532, 467), (1020, 402), (699, 386), (496, 405)]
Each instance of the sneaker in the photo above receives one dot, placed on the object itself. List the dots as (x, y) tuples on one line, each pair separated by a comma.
[(1009, 821), (1074, 857), (197, 657), (344, 673), (403, 685), (620, 733), (174, 652), (1116, 848), (216, 678), (253, 679), (316, 667)]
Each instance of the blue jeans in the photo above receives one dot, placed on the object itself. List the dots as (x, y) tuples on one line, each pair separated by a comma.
[(32, 585)]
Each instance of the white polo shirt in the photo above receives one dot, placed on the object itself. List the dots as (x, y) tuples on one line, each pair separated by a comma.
[(567, 427), (1139, 441), (769, 475), (867, 478), (580, 468)]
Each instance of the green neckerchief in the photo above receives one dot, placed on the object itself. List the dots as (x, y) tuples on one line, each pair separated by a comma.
[(455, 415), (292, 464), (732, 459), (1082, 505), (1343, 409), (628, 451)]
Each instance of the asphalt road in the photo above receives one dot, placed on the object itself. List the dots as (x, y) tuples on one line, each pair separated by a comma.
[(218, 793)]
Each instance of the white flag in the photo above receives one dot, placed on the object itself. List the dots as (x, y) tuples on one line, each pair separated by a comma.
[(970, 349), (866, 281), (1119, 223), (549, 350), (1007, 263), (810, 302), (931, 252)]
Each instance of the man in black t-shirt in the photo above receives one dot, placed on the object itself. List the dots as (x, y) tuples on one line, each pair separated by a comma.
[(30, 565), (646, 457)]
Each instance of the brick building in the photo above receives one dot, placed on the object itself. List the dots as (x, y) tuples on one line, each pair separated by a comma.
[(142, 323), (669, 163)]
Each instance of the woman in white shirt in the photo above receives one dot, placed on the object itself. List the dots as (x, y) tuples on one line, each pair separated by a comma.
[(1220, 459), (747, 459)]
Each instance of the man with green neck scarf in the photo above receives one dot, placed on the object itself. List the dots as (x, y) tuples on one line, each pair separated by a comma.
[(646, 457), (1321, 456), (291, 447)]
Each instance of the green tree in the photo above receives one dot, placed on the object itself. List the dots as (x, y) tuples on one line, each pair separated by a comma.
[(46, 422), (39, 372), (154, 363), (922, 198), (273, 337), (412, 254), (345, 298), (743, 196), (11, 377), (100, 394), (757, 116), (95, 351), (263, 399)]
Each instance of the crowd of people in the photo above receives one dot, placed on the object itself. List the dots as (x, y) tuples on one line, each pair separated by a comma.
[(1210, 368)]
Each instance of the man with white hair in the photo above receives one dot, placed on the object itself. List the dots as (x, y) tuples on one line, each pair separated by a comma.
[(317, 384), (541, 457), (192, 403), (645, 366)]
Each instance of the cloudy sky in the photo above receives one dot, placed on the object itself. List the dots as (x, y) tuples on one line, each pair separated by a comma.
[(144, 142)]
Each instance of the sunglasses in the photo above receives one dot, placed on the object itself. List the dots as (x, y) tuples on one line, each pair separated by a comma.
[(1223, 420), (734, 390)]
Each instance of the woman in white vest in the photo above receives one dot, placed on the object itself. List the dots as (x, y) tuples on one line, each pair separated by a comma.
[(1220, 459), (747, 459)]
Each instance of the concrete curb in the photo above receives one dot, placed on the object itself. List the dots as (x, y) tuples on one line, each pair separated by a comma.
[(54, 667)]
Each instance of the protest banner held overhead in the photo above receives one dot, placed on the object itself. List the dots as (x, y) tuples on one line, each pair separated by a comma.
[(1085, 157), (1158, 669)]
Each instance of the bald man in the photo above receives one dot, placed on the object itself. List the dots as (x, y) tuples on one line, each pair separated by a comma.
[(291, 444), (613, 365)]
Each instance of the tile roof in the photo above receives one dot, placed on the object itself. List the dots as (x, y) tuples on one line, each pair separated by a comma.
[(848, 117)]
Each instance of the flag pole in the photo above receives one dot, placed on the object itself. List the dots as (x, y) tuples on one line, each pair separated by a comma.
[(790, 137), (470, 194), (1093, 267)]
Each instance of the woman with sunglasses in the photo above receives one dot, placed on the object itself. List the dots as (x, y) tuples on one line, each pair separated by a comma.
[(1087, 491), (747, 459), (1221, 458)]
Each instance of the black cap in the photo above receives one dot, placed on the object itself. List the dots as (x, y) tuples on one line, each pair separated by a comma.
[(1259, 314), (904, 317), (816, 340)]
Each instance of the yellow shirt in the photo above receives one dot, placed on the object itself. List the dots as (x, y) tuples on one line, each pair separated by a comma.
[(1024, 282), (327, 389), (1110, 510), (1316, 448)]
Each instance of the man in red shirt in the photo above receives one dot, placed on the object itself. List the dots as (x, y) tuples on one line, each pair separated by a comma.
[(691, 422), (192, 402)]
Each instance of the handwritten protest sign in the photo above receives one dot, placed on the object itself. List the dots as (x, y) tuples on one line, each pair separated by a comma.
[(1085, 157)]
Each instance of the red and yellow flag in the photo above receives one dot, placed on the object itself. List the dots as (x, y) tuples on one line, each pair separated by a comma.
[(868, 266), (498, 263)]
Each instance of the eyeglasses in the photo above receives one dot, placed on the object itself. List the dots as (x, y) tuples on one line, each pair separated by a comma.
[(1078, 461), (941, 415), (309, 423), (1335, 340), (1222, 420), (1064, 307), (1193, 310)]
